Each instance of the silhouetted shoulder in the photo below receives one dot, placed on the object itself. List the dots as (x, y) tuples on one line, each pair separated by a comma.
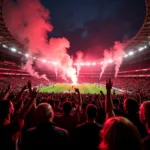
[(84, 125), (61, 130)]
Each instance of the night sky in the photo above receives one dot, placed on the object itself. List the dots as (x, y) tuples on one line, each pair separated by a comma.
[(93, 25)]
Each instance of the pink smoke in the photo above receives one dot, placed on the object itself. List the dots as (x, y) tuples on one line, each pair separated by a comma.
[(118, 56), (107, 57), (79, 59), (28, 21), (114, 55), (29, 68)]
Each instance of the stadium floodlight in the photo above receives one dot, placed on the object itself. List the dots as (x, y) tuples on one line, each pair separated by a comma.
[(27, 55), (126, 55), (4, 46), (110, 61), (145, 46), (87, 63), (82, 64), (44, 61), (131, 53), (19, 52), (94, 63), (141, 48), (55, 63), (13, 49)]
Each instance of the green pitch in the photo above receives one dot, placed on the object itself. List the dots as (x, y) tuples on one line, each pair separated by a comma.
[(64, 88)]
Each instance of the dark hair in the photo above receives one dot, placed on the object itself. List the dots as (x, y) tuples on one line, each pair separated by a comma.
[(57, 102), (131, 105), (84, 106), (115, 101), (91, 111), (51, 102), (67, 107)]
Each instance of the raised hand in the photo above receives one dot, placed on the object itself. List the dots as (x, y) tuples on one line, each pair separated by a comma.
[(101, 92), (29, 86), (109, 84), (34, 93), (77, 90)]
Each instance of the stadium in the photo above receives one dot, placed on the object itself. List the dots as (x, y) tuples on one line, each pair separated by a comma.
[(65, 80), (135, 62)]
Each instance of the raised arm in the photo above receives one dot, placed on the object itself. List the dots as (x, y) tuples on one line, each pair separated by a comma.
[(108, 101), (19, 95), (79, 99), (31, 102), (6, 93), (79, 108)]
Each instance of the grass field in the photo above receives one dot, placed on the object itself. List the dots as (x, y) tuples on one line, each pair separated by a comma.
[(84, 88)]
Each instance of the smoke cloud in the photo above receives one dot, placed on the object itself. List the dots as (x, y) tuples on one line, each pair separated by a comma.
[(114, 55), (118, 56), (79, 59), (29, 22), (107, 58), (29, 68)]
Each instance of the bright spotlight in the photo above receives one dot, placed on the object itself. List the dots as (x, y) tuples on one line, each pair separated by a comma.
[(4, 46), (13, 49), (55, 63), (131, 53), (82, 64), (93, 63), (88, 64), (125, 55), (44, 61), (110, 61), (19, 52), (140, 49), (27, 55), (145, 46)]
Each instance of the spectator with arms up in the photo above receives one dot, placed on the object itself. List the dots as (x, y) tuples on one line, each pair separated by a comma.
[(10, 129), (118, 133)]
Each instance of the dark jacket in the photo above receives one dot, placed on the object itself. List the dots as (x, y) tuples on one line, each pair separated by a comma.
[(46, 136), (88, 136)]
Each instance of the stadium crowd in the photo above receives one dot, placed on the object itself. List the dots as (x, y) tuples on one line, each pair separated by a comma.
[(31, 120)]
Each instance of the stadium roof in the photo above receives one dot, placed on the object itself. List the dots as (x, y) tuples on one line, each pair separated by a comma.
[(5, 36), (140, 39)]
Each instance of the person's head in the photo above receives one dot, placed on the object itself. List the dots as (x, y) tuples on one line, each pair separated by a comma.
[(6, 111), (120, 134), (84, 106), (91, 111), (52, 103), (44, 113), (57, 103), (116, 103), (67, 107), (130, 106), (144, 112)]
